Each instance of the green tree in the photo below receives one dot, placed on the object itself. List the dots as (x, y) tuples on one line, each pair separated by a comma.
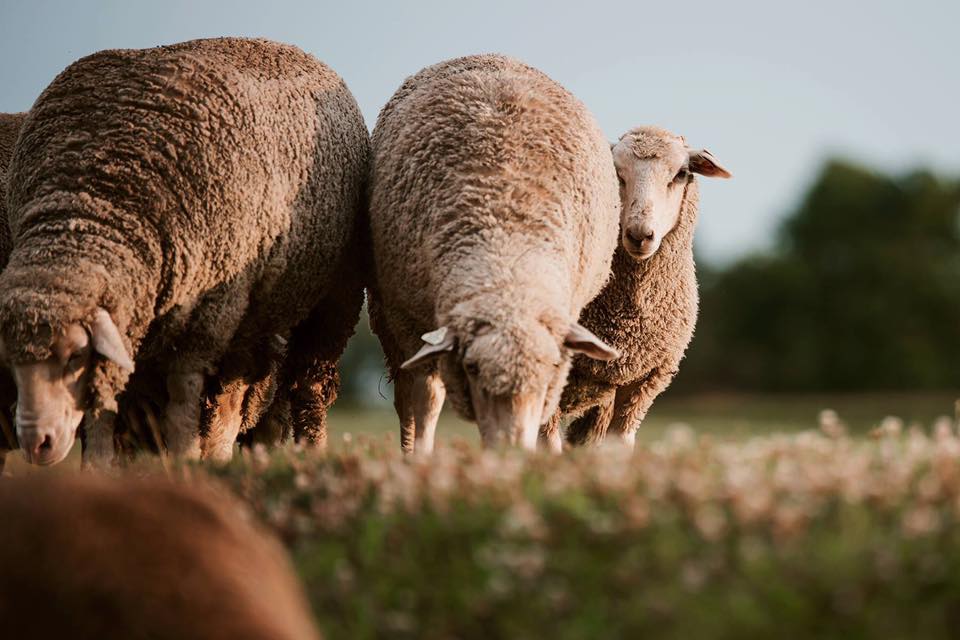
[(861, 292)]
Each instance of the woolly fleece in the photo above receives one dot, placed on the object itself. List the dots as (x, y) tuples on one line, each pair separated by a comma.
[(493, 204), (204, 193), (647, 311)]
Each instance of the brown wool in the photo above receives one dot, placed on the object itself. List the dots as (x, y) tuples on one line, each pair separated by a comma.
[(207, 194), (89, 557)]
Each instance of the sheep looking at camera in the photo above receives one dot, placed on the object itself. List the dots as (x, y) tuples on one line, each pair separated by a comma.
[(648, 309)]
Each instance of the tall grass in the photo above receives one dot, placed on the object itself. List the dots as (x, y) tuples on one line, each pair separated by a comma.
[(812, 534)]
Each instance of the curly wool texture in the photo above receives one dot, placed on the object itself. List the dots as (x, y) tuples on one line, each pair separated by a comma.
[(493, 203), (10, 124), (204, 193), (647, 311)]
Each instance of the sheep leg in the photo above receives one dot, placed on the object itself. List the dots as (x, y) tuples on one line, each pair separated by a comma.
[(225, 420), (181, 425), (591, 427), (549, 437), (99, 452), (262, 392), (274, 426), (403, 403), (632, 403), (312, 380), (310, 398), (428, 396), (8, 440), (419, 399)]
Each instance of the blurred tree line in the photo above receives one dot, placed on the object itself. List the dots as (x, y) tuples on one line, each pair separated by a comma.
[(861, 291)]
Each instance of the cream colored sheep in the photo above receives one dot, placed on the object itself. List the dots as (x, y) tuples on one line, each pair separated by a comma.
[(493, 213), (648, 309)]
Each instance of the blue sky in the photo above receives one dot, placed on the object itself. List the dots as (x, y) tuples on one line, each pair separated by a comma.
[(771, 88)]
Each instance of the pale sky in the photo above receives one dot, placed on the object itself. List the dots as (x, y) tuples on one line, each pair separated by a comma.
[(771, 88)]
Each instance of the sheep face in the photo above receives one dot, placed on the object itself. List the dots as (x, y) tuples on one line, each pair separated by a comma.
[(53, 392), (654, 168), (507, 377)]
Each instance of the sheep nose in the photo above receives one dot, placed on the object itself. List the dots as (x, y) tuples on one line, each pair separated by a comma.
[(36, 445), (639, 236)]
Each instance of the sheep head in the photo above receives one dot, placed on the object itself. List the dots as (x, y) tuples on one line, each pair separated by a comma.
[(507, 376), (52, 391), (654, 168)]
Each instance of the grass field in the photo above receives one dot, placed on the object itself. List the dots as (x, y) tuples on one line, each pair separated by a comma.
[(721, 415), (728, 416), (801, 535), (735, 517)]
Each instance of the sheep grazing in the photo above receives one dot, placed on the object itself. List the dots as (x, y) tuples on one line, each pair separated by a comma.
[(84, 557), (648, 309), (493, 213), (10, 124), (173, 209)]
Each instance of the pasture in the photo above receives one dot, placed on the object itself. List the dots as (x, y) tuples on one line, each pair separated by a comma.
[(736, 516)]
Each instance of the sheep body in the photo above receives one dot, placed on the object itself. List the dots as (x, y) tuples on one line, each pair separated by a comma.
[(89, 557), (493, 204), (204, 194), (647, 311), (10, 124)]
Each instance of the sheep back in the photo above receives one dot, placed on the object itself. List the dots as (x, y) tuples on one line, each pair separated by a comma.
[(198, 191), (10, 124), (489, 179)]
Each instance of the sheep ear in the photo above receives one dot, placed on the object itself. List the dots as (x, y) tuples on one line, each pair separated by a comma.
[(106, 340), (703, 162), (438, 341), (582, 340)]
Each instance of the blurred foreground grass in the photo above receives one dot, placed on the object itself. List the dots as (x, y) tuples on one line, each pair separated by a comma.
[(735, 517), (802, 535)]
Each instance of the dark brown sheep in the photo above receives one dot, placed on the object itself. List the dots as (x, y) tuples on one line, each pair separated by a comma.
[(10, 124), (86, 557), (172, 210)]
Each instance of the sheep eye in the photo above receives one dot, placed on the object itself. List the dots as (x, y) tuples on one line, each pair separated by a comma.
[(471, 368), (681, 176), (75, 360), (620, 179)]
